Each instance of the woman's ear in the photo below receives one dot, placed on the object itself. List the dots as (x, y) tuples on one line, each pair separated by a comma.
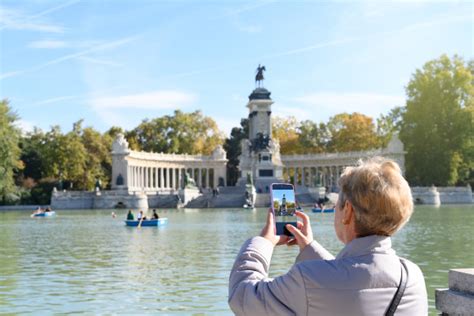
[(348, 213)]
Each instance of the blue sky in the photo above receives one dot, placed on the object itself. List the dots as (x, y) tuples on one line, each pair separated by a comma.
[(118, 62)]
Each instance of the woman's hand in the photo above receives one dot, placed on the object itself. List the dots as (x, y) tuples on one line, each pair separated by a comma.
[(269, 231), (303, 233)]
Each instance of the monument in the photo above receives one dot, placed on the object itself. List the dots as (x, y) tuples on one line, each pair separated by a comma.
[(260, 158)]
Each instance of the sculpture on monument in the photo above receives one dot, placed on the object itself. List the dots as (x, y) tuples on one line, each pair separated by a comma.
[(189, 182), (259, 77)]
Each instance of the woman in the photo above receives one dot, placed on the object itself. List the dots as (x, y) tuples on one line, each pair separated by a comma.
[(374, 202)]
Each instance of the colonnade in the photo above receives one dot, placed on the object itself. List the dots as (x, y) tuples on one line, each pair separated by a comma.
[(312, 176), (158, 178)]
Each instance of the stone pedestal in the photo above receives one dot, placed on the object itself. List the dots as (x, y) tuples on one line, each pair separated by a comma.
[(459, 298), (187, 195)]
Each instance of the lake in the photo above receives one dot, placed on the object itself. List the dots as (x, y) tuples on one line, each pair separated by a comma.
[(87, 262)]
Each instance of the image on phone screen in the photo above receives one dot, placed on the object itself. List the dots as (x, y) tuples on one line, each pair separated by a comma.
[(283, 200), (284, 206)]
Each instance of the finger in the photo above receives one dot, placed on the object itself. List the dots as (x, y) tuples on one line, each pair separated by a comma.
[(291, 242), (304, 217), (299, 225), (295, 231), (270, 218), (283, 240)]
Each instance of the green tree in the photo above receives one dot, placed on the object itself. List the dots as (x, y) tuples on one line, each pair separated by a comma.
[(190, 133), (233, 149), (388, 125), (9, 150), (286, 131), (351, 132), (313, 138), (437, 127), (98, 162)]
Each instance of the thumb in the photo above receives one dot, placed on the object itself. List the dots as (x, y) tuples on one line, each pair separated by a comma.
[(296, 232)]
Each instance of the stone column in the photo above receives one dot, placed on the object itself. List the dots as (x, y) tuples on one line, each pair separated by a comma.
[(162, 180), (175, 178), (170, 178), (199, 182), (303, 176)]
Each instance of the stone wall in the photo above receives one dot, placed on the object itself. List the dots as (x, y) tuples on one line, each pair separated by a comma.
[(442, 195), (459, 298)]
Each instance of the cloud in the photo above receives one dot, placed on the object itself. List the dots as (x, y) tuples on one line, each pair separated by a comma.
[(25, 126), (17, 20), (101, 47), (48, 44), (322, 105), (165, 99), (99, 61), (54, 100), (248, 7)]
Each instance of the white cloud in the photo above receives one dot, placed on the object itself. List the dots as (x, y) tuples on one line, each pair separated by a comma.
[(12, 19), (11, 74), (248, 7), (54, 100), (104, 46), (48, 44), (99, 61), (321, 106), (165, 99), (25, 126)]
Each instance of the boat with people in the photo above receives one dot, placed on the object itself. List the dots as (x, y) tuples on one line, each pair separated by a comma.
[(43, 212), (147, 222), (322, 210)]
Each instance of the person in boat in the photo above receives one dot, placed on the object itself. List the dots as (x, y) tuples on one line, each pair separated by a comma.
[(39, 210), (141, 216), (130, 216), (366, 277), (155, 215), (48, 209)]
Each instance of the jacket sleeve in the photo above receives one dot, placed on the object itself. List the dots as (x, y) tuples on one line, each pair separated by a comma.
[(251, 292), (314, 251)]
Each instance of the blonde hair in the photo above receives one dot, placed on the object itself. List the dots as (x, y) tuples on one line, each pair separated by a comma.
[(381, 197)]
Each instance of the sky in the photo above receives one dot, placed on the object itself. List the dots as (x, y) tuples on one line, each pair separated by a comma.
[(115, 63)]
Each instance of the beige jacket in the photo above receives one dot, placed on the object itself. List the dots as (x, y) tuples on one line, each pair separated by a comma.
[(361, 280)]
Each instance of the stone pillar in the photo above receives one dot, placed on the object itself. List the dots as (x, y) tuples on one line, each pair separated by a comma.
[(162, 180), (174, 178), (199, 182), (170, 178), (303, 176), (459, 298)]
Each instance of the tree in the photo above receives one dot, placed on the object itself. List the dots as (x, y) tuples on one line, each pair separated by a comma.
[(233, 149), (9, 150), (312, 137), (388, 125), (182, 133), (437, 127), (98, 161), (286, 131), (351, 132)]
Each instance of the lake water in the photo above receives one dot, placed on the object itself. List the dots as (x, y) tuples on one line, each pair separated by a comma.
[(87, 262)]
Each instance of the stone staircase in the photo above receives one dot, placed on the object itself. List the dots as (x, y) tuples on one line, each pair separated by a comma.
[(228, 197)]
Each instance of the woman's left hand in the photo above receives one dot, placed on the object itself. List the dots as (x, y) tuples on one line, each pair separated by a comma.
[(269, 231)]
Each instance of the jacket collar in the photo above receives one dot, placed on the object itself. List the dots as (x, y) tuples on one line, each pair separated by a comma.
[(366, 245)]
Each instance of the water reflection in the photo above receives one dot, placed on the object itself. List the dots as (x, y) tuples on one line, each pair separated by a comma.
[(87, 262)]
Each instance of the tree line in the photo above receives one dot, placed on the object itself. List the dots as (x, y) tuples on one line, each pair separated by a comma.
[(435, 125)]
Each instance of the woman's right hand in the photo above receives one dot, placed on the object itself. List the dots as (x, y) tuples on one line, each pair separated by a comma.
[(303, 233)]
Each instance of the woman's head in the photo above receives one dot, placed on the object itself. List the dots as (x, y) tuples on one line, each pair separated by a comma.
[(380, 196)]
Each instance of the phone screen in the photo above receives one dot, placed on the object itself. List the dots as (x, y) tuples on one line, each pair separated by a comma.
[(283, 206)]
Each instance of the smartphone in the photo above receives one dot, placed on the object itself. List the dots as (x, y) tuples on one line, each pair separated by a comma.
[(283, 207)]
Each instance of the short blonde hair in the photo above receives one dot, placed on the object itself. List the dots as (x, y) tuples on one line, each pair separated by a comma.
[(381, 197)]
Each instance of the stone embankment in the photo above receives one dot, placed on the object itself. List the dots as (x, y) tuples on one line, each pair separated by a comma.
[(442, 195), (458, 299)]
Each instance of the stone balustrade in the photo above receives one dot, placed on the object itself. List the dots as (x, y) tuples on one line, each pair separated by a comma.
[(458, 299)]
